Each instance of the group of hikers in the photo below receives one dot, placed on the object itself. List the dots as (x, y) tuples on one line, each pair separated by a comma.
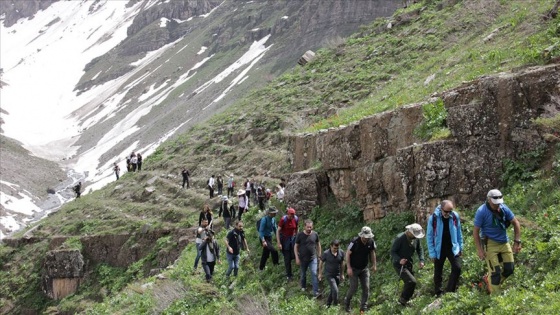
[(133, 164), (444, 241)]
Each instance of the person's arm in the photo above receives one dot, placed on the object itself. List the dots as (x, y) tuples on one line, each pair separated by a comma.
[(420, 252), (395, 251), (476, 237), (228, 248), (296, 251), (262, 225), (278, 235), (320, 275), (373, 261), (319, 250), (246, 246), (459, 235), (517, 233), (348, 264), (430, 237), (217, 252), (209, 219), (200, 217), (342, 267)]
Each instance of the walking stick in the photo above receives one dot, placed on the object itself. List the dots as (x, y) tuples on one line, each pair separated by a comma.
[(399, 280)]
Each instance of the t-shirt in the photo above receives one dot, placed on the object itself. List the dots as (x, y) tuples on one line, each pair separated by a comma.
[(493, 226), (289, 227), (446, 245), (332, 262), (307, 245), (235, 239), (360, 252)]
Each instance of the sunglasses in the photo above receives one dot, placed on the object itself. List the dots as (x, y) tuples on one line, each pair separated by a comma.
[(447, 212), (497, 197)]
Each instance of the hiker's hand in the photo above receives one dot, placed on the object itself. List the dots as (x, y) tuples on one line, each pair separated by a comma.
[(403, 261), (374, 268), (297, 261), (421, 265), (349, 272), (320, 277), (342, 278), (481, 254), (263, 243), (279, 246), (516, 248), (230, 250)]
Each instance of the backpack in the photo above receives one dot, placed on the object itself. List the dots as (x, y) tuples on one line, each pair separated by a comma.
[(285, 219), (434, 221)]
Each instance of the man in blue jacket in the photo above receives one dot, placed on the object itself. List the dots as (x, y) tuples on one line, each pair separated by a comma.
[(445, 242)]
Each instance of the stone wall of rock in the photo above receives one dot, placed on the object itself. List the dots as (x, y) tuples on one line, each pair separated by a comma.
[(62, 272), (380, 163)]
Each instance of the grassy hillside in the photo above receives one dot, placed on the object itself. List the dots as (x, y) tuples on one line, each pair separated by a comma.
[(378, 69)]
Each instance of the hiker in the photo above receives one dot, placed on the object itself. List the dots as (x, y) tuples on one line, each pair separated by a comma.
[(206, 214), (404, 246), (445, 242), (230, 186), (267, 228), (209, 255), (185, 173), (200, 237), (243, 203), (406, 2), (306, 249), (116, 169), (361, 250), (211, 186), (226, 210), (128, 165), (133, 161), (247, 186), (220, 183), (492, 220), (235, 242), (78, 189), (280, 193), (286, 237), (260, 198), (332, 263), (139, 161)]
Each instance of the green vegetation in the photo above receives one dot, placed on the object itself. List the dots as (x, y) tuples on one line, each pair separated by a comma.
[(434, 126)]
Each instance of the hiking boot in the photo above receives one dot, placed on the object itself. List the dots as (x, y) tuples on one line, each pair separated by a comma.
[(402, 301), (347, 308)]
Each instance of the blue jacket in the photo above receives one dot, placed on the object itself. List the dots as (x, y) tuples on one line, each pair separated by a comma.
[(267, 227), (434, 237)]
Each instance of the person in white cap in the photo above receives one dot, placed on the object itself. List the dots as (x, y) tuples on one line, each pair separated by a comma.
[(491, 220), (402, 250), (360, 251)]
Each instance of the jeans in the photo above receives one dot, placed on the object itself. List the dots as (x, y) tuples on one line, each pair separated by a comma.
[(312, 265), (363, 276), (455, 262), (267, 251), (219, 190), (288, 253), (198, 254), (407, 275), (227, 222), (333, 281), (233, 264), (209, 269)]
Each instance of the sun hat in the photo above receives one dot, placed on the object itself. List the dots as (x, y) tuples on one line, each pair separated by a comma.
[(240, 192), (496, 197), (416, 230), (272, 210), (366, 232)]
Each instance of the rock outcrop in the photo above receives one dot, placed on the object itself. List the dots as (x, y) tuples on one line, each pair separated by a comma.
[(379, 163)]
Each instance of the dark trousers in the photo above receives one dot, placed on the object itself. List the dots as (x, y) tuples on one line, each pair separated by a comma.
[(139, 167), (185, 180), (288, 253), (134, 165), (407, 275), (240, 213), (361, 275), (455, 262), (220, 189), (267, 251), (211, 189), (230, 192), (209, 269), (334, 282)]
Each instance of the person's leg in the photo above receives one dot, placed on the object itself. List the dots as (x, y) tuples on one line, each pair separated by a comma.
[(352, 289), (438, 270), (207, 273), (197, 255), (409, 283), (507, 261), (286, 252), (302, 273), (493, 266), (264, 257), (230, 263), (314, 279), (211, 267), (273, 251), (227, 222), (188, 183), (364, 283), (235, 265), (456, 263)]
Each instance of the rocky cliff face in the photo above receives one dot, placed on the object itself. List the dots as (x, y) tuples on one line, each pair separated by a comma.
[(15, 10), (379, 163)]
